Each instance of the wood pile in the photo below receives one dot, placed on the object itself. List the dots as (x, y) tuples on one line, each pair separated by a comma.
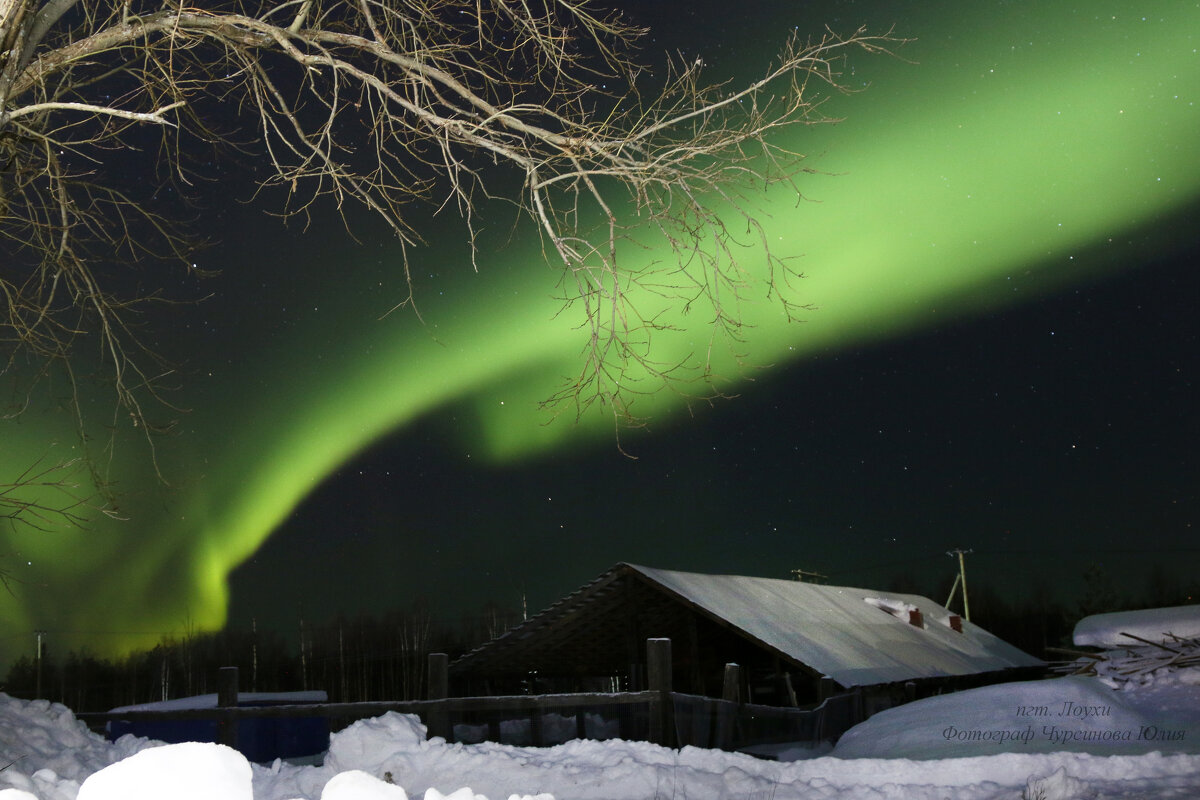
[(1135, 662)]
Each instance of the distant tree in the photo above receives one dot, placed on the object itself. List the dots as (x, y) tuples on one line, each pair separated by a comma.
[(1164, 588), (22, 678), (492, 621), (409, 665), (88, 682), (1045, 622), (372, 657), (1099, 592), (376, 103)]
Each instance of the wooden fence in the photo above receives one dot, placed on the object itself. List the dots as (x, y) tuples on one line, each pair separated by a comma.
[(657, 715)]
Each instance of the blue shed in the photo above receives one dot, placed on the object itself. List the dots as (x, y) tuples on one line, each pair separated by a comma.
[(260, 740)]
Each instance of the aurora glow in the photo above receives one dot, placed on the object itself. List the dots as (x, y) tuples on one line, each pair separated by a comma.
[(1018, 153)]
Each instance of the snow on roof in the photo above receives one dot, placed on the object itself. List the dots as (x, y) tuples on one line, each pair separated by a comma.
[(244, 698), (843, 632), (1104, 630)]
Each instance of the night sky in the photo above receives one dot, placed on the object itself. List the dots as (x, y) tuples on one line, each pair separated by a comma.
[(1001, 356), (1047, 437)]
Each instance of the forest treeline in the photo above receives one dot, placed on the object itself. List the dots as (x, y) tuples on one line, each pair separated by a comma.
[(385, 657), (363, 658)]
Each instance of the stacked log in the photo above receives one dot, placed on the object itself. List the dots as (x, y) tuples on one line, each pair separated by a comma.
[(1135, 663)]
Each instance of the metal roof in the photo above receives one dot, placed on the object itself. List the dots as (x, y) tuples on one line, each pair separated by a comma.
[(843, 632), (838, 632)]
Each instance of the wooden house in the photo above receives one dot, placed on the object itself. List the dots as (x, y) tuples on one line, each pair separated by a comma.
[(795, 642)]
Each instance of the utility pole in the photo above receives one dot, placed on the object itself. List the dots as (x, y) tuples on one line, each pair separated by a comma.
[(303, 658), (800, 574), (961, 578), (39, 634), (254, 654)]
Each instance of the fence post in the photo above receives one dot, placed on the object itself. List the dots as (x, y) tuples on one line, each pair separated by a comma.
[(725, 723), (732, 691), (227, 697), (438, 721), (658, 675), (439, 676)]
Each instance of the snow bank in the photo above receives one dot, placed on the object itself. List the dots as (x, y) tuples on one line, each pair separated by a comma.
[(1079, 714), (187, 771), (49, 752), (1104, 630)]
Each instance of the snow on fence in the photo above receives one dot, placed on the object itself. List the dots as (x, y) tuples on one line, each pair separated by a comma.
[(656, 715)]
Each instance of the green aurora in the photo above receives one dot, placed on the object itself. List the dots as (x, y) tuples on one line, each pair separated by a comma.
[(1004, 157)]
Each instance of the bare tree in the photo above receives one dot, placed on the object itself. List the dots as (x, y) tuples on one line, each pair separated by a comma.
[(379, 103), (47, 494)]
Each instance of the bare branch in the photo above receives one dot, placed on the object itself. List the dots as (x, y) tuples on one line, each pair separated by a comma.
[(381, 104), (47, 495), (155, 116)]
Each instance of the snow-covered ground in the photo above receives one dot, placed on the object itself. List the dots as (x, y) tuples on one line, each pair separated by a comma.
[(948, 746), (1078, 714), (1073, 737)]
